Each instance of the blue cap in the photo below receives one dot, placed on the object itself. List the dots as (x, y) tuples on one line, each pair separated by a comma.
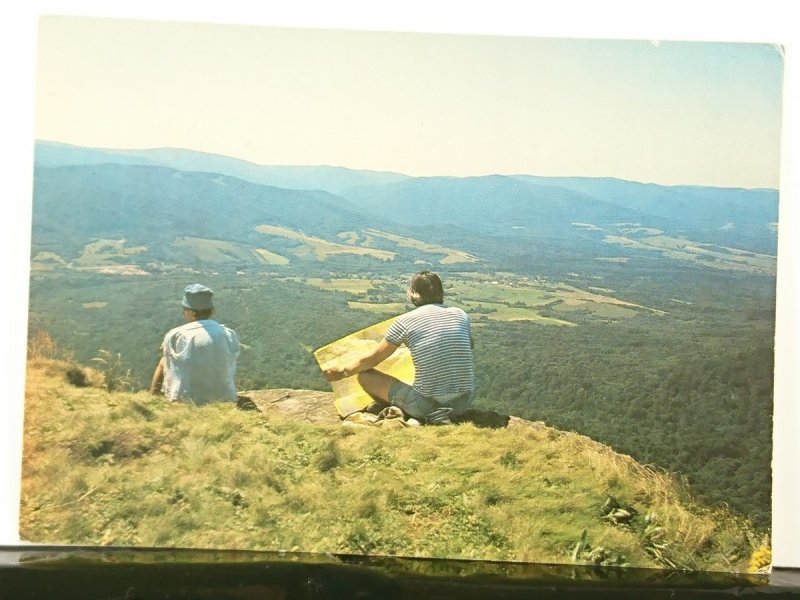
[(197, 297)]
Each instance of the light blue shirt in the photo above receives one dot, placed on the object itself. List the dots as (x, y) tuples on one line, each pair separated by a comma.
[(200, 362)]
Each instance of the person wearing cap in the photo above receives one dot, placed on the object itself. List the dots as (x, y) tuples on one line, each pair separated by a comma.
[(198, 362), (440, 343)]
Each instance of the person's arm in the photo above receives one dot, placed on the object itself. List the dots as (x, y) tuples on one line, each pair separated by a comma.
[(382, 351), (158, 378)]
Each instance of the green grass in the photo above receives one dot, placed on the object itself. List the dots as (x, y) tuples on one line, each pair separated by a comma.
[(134, 470)]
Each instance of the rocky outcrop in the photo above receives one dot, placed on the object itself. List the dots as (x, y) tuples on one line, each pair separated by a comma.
[(317, 407), (307, 405)]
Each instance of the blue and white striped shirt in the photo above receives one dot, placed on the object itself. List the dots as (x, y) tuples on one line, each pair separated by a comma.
[(441, 348)]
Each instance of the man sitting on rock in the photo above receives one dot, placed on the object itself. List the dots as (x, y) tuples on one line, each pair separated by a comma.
[(440, 343), (198, 361)]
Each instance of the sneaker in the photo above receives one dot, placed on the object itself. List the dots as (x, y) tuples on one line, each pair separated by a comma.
[(440, 416)]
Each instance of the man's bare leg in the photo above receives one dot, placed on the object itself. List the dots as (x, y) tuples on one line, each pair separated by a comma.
[(377, 384)]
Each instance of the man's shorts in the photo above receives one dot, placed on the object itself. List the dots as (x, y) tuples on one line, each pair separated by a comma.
[(433, 411)]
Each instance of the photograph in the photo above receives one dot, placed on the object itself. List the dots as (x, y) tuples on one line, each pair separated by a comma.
[(403, 294)]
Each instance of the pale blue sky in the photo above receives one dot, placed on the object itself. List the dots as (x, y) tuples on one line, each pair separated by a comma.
[(421, 104)]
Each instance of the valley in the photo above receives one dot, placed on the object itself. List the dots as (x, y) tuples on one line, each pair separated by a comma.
[(643, 320)]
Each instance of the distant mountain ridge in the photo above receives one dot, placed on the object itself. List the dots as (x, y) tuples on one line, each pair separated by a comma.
[(163, 194), (322, 177)]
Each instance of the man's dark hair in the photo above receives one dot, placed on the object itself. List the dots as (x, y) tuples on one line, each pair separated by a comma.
[(426, 288)]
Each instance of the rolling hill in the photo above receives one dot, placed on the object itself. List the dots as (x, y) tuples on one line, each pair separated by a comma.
[(122, 469), (152, 198)]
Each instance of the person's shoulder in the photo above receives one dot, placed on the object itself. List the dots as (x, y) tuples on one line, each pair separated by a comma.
[(448, 308), (415, 313), (229, 332), (457, 311), (176, 331)]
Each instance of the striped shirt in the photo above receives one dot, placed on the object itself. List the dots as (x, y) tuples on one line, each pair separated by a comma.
[(441, 348)]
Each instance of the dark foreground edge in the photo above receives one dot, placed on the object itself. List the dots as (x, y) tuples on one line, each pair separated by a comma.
[(118, 573)]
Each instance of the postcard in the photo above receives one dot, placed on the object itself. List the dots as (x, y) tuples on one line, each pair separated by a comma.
[(403, 294)]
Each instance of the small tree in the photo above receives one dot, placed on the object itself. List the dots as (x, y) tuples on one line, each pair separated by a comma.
[(41, 345)]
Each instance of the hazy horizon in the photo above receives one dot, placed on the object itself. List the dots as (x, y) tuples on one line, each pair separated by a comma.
[(392, 171), (688, 113)]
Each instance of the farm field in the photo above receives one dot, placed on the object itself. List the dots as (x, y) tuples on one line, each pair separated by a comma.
[(321, 249), (212, 251), (710, 255), (512, 299), (451, 255)]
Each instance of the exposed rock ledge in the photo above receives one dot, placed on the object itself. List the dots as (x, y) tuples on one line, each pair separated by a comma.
[(308, 405), (317, 407)]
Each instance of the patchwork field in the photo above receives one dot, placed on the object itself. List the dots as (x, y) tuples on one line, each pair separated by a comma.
[(113, 269), (349, 237), (451, 255), (495, 311), (508, 298), (708, 255), (94, 305), (573, 296), (213, 251), (270, 257), (320, 248), (387, 308), (105, 252), (502, 291), (353, 285), (46, 261)]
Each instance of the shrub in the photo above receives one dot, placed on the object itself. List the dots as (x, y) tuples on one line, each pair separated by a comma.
[(115, 377)]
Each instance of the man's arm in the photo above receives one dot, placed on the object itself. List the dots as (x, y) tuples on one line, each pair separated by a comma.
[(158, 378), (381, 352)]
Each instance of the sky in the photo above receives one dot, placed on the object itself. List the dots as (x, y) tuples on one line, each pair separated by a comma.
[(418, 103), (647, 111)]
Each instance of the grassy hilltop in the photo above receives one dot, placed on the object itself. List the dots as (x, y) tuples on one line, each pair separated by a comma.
[(125, 469)]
